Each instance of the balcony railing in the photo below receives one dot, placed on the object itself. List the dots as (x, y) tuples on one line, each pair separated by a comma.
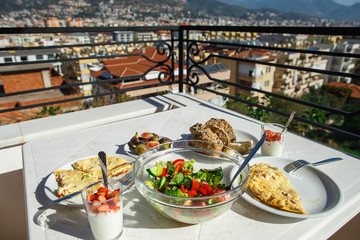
[(180, 48)]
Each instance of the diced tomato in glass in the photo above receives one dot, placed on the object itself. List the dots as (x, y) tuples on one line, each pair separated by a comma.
[(272, 136)]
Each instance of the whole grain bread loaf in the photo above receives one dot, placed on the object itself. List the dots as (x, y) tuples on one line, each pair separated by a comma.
[(220, 126), (215, 130)]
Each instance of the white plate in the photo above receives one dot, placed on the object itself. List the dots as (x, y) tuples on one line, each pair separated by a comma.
[(51, 185), (319, 194), (245, 136), (128, 152)]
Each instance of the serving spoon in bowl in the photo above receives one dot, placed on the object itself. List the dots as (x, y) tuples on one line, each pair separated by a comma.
[(247, 159)]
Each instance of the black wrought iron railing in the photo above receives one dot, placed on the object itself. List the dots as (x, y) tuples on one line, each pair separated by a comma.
[(183, 53)]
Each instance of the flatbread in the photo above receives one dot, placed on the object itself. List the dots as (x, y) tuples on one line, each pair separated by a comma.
[(70, 181), (271, 186), (115, 166)]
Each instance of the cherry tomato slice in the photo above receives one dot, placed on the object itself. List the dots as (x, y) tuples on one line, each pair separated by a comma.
[(178, 164), (192, 193), (194, 184)]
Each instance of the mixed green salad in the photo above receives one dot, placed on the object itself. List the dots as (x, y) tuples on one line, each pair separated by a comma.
[(177, 178)]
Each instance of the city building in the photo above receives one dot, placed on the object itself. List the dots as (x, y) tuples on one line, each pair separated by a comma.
[(251, 74), (123, 36), (339, 64), (134, 70), (295, 83), (21, 56), (51, 22)]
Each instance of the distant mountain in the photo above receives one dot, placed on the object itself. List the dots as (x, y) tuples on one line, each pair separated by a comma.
[(317, 8), (205, 8)]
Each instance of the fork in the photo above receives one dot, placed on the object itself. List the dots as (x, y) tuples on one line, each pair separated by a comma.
[(291, 167)]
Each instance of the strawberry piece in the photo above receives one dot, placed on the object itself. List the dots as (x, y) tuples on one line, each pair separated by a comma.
[(114, 208), (115, 192), (90, 197), (101, 198), (103, 208)]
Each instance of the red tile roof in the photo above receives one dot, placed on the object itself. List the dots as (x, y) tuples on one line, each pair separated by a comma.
[(132, 65), (355, 88)]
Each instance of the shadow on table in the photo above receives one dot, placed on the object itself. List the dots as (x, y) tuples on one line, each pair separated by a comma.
[(138, 213), (73, 220), (68, 220), (247, 210)]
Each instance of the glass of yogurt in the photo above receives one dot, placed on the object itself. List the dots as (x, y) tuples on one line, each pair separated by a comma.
[(104, 208), (274, 142)]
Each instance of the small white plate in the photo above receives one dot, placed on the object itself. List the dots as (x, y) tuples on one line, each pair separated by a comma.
[(51, 185), (131, 154), (319, 194), (245, 136), (128, 152)]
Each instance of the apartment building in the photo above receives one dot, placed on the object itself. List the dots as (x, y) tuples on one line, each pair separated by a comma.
[(295, 83), (337, 64), (31, 76), (255, 75), (123, 36), (21, 56), (51, 22)]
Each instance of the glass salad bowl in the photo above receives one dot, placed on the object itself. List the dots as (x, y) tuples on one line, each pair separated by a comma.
[(175, 191)]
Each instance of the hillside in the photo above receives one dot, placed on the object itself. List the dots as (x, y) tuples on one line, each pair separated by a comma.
[(317, 8), (178, 8)]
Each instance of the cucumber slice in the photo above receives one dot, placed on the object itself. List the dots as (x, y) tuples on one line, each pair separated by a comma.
[(156, 170), (150, 184), (187, 183), (179, 178), (170, 168), (162, 182)]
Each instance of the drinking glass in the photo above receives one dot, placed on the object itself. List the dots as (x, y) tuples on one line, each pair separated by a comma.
[(274, 142), (106, 216)]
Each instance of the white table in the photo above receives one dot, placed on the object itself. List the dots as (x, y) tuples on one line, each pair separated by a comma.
[(141, 221)]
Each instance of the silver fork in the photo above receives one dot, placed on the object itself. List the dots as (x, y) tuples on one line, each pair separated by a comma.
[(291, 167)]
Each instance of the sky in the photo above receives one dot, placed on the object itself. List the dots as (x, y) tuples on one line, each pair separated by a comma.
[(347, 2)]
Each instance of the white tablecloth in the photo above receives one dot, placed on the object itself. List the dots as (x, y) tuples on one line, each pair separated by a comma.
[(141, 221)]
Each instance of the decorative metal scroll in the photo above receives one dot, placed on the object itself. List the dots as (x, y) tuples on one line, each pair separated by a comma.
[(194, 66), (166, 75)]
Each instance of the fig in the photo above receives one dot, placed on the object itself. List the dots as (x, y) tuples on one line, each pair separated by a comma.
[(134, 140), (132, 147), (151, 144), (140, 148), (155, 137), (165, 140), (146, 135)]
